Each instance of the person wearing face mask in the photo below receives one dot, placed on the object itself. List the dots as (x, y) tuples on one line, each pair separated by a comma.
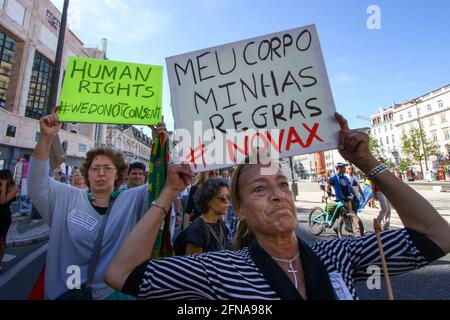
[(271, 261)]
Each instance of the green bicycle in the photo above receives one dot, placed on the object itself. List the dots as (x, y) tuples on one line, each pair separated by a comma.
[(348, 223)]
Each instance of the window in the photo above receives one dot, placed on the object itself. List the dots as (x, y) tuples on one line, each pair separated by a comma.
[(11, 131), (381, 142), (403, 129), (387, 140), (409, 115), (440, 104), (40, 86), (379, 130), (64, 145), (2, 5), (16, 11), (418, 111), (37, 136), (401, 117), (431, 121), (82, 147), (385, 118), (429, 107), (443, 118), (393, 139), (392, 126), (7, 48), (434, 135), (447, 134), (385, 128)]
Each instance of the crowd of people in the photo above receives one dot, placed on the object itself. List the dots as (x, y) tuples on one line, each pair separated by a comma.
[(233, 232), (347, 188)]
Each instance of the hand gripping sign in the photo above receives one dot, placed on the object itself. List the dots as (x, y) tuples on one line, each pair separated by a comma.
[(271, 92), (103, 91)]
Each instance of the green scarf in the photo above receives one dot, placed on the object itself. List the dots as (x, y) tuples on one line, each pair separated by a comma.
[(156, 179)]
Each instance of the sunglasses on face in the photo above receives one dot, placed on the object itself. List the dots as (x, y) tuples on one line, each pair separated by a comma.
[(224, 199)]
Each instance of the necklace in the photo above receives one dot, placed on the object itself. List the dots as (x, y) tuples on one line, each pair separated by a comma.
[(219, 239), (291, 268)]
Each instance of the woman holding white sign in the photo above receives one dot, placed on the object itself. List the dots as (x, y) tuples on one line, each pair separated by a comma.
[(272, 262)]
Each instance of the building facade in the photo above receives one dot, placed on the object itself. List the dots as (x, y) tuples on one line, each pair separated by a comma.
[(429, 113), (384, 131), (28, 39), (132, 142)]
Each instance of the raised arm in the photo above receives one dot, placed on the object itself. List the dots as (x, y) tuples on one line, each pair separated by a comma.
[(415, 212), (138, 245), (49, 127)]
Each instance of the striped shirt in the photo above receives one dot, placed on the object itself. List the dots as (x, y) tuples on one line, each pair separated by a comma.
[(224, 275)]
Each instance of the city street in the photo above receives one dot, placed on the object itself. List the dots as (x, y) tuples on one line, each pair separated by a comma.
[(23, 264)]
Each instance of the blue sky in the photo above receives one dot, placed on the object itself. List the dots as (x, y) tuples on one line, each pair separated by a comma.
[(407, 57)]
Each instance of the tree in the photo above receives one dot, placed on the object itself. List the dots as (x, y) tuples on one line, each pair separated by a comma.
[(404, 165), (412, 146), (374, 147)]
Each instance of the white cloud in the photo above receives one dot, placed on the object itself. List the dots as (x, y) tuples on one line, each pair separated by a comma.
[(125, 22), (344, 78)]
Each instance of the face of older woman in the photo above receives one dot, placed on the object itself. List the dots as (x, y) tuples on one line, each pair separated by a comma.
[(219, 204), (266, 202), (77, 178), (102, 174)]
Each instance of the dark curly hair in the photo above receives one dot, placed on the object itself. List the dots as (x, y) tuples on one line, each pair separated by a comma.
[(207, 192), (115, 156)]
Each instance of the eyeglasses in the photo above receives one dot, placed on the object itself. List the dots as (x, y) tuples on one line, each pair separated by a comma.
[(213, 174), (224, 199), (106, 169)]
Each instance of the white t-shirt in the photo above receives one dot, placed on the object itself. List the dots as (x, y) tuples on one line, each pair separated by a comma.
[(354, 182)]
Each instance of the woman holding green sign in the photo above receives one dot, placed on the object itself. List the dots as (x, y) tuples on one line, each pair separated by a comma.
[(86, 227)]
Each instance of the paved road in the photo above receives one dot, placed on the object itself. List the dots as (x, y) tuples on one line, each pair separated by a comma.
[(431, 282)]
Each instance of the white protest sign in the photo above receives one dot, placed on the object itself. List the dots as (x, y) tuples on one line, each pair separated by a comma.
[(268, 92)]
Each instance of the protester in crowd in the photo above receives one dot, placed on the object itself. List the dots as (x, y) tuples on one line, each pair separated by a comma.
[(191, 211), (384, 216), (60, 175), (341, 185), (78, 180), (272, 262), (76, 216), (230, 218), (358, 195), (208, 232), (322, 180), (136, 175), (8, 193), (226, 175)]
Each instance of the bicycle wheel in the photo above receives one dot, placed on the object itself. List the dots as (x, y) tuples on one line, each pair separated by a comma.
[(350, 225), (316, 221)]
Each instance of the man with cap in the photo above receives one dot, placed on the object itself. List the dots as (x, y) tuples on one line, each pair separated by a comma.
[(341, 185)]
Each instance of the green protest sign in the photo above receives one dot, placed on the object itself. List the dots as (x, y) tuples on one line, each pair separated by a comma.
[(103, 91)]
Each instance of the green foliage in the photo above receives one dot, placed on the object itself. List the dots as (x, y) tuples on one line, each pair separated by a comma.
[(404, 164), (374, 147), (412, 146)]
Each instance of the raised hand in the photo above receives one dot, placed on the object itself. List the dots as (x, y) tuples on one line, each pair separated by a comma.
[(178, 177), (354, 145), (50, 125), (158, 129)]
